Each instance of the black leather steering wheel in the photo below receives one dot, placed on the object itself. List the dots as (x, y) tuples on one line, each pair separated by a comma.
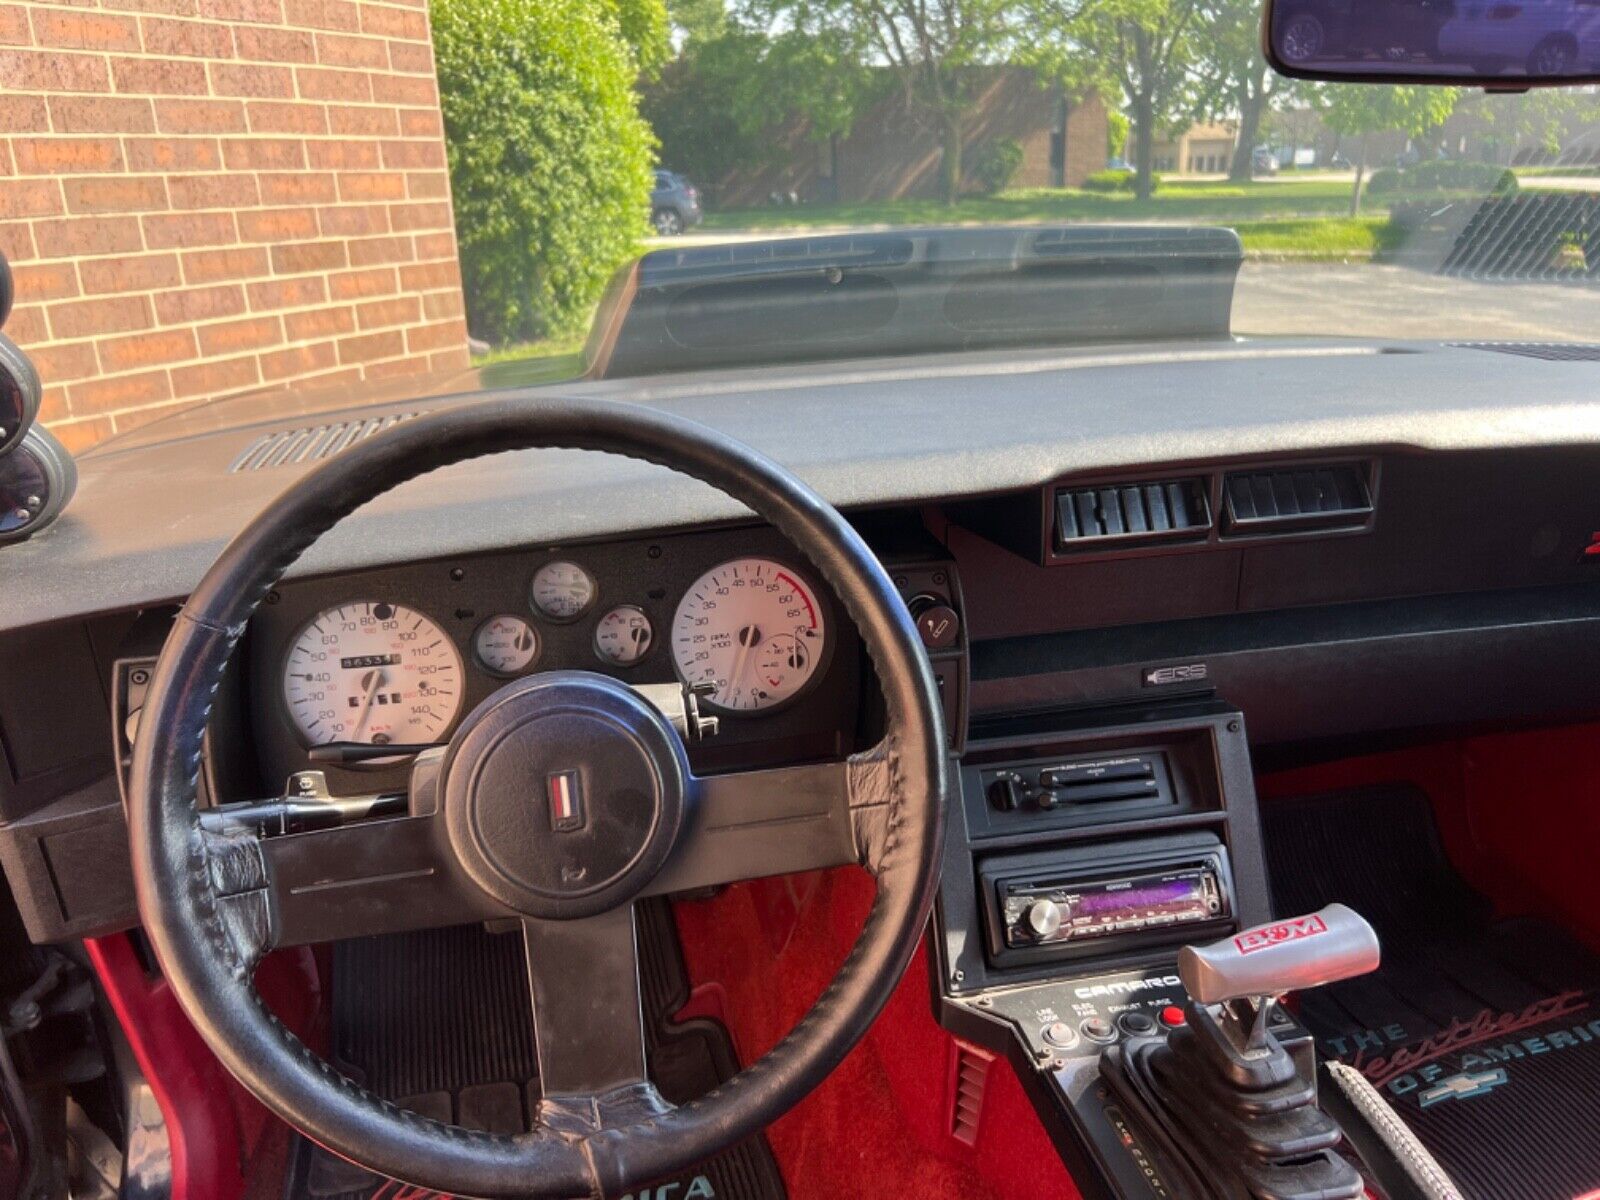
[(479, 842)]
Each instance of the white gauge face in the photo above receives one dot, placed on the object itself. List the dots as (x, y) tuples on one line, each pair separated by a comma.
[(506, 645), (753, 628), (623, 635), (562, 591), (373, 672)]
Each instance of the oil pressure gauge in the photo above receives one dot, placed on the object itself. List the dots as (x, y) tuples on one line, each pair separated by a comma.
[(562, 591)]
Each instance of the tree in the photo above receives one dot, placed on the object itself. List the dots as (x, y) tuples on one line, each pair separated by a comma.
[(733, 89), (1359, 110), (1233, 76), (1143, 49), (931, 45), (549, 159)]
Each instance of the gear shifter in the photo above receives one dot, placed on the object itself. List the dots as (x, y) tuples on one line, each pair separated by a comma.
[(1230, 1098)]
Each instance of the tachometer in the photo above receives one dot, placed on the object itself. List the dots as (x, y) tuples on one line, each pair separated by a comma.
[(373, 672), (755, 629)]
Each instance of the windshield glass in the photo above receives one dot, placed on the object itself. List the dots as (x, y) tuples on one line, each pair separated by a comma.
[(202, 198)]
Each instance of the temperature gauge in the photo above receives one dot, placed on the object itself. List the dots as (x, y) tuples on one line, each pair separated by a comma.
[(506, 645), (623, 635)]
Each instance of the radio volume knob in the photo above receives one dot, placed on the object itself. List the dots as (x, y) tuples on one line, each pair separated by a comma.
[(1044, 918)]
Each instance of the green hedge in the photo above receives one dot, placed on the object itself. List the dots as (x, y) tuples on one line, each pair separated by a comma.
[(550, 163), (1443, 175), (1116, 181), (997, 165)]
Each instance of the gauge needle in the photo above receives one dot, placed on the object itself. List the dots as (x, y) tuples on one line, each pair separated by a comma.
[(374, 681), (748, 637)]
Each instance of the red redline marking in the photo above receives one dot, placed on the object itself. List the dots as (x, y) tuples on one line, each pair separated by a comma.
[(805, 599)]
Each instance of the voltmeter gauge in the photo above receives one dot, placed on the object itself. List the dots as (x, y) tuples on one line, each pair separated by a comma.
[(623, 635), (562, 591), (370, 671), (506, 645)]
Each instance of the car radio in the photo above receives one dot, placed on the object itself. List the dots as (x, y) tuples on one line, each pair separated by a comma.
[(1105, 899)]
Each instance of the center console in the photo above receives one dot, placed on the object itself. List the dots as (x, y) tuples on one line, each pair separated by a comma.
[(1084, 852)]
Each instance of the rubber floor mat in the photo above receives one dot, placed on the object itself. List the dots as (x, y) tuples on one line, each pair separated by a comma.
[(437, 1021), (1484, 1035)]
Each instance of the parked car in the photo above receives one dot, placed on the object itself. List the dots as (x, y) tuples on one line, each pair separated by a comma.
[(674, 204), (1263, 161), (1543, 37), (1305, 31)]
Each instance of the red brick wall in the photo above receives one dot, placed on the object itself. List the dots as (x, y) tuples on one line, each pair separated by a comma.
[(203, 196), (893, 152)]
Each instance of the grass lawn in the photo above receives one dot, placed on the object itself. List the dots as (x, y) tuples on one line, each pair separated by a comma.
[(1176, 200), (556, 359), (1275, 218)]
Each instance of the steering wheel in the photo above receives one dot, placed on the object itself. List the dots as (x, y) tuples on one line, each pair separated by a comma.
[(481, 841)]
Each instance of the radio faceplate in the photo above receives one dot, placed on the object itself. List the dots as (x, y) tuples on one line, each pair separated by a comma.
[(1105, 899)]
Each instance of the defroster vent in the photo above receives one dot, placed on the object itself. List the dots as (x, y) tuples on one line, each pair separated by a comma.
[(286, 447), (1111, 515)]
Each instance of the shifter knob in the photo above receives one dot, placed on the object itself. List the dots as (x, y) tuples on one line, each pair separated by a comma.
[(1283, 956)]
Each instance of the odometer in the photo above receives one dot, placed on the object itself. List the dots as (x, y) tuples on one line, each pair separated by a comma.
[(369, 671), (752, 627)]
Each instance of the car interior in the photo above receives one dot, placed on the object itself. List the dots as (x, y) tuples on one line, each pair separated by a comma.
[(931, 712)]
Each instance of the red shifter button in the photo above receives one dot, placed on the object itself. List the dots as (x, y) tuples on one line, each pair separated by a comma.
[(1172, 1016)]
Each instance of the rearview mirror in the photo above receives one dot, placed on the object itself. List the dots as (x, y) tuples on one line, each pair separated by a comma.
[(1496, 44)]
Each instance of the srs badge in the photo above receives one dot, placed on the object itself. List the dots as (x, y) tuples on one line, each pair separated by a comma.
[(565, 791)]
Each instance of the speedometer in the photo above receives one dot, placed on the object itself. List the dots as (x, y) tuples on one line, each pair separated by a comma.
[(752, 627), (370, 671)]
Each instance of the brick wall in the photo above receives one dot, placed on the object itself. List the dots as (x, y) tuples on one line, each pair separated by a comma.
[(203, 196), (893, 152)]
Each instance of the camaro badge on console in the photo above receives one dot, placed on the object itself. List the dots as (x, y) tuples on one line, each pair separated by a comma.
[(566, 801)]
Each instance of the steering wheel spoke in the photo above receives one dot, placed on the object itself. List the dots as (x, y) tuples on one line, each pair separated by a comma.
[(753, 824), (588, 1017)]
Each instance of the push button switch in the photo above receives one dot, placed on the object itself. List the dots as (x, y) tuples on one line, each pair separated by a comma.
[(1137, 1024), (1098, 1029)]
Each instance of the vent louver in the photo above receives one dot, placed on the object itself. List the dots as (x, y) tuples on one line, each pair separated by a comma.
[(287, 447), (1119, 514), (1298, 498), (1549, 351)]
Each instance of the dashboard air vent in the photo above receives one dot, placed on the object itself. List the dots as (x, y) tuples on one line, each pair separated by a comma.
[(309, 443), (1111, 515), (1549, 351), (1333, 496)]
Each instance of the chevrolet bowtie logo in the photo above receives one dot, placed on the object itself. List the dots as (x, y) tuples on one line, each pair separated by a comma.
[(565, 792), (1463, 1086)]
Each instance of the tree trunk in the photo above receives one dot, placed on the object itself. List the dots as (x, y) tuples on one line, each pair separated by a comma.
[(1361, 171), (950, 157), (1144, 136), (1243, 166)]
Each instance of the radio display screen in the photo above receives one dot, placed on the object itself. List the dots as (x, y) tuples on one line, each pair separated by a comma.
[(1140, 896)]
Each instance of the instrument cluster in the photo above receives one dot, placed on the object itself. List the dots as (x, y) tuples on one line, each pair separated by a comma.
[(398, 656)]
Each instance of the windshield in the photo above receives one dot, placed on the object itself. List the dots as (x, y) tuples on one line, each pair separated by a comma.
[(225, 196)]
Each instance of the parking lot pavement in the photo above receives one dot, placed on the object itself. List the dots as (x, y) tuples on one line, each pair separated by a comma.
[(1368, 300)]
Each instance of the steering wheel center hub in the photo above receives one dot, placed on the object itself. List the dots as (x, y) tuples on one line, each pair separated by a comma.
[(564, 794)]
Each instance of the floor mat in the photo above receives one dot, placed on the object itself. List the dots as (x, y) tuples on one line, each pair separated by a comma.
[(437, 1021), (1484, 1035)]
